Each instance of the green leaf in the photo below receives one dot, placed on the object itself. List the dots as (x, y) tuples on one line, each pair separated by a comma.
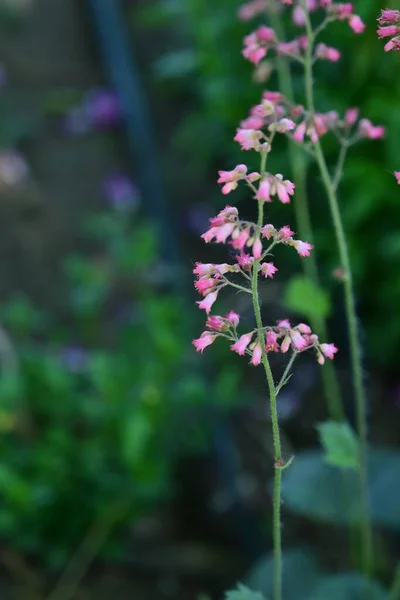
[(243, 593), (317, 490), (340, 443), (299, 562), (304, 297), (348, 586)]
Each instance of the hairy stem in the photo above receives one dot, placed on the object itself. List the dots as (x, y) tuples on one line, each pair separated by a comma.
[(354, 343), (299, 165), (277, 543)]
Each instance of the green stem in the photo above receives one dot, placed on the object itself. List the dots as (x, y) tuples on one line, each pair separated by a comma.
[(286, 372), (355, 348), (302, 213), (277, 542)]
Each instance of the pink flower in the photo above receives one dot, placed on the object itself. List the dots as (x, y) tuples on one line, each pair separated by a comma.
[(389, 31), (389, 17), (304, 329), (249, 139), (394, 44), (227, 214), (303, 248), (285, 232), (284, 324), (203, 341), (231, 178), (268, 231), (283, 125), (356, 24), (204, 269), (328, 350), (368, 130), (257, 353), (327, 53), (216, 323), (233, 318), (242, 343), (204, 286), (224, 231), (268, 270), (264, 189), (265, 34), (245, 260), (298, 342), (284, 189), (300, 132), (252, 123), (257, 248), (271, 342), (208, 301), (351, 116), (285, 344), (251, 9), (298, 16), (239, 242), (397, 175)]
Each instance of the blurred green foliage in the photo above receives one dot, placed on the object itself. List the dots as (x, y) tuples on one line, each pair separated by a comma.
[(94, 401), (207, 64)]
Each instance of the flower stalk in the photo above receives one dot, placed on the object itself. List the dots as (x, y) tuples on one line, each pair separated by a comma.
[(330, 185)]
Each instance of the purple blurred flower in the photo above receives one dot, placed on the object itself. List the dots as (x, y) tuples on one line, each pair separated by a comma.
[(120, 191), (102, 108), (74, 359)]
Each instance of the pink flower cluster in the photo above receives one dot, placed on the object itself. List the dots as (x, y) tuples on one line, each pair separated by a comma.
[(280, 338), (276, 114), (263, 39), (389, 21), (243, 234), (397, 175)]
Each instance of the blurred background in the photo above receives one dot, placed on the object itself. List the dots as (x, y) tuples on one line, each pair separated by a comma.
[(131, 467)]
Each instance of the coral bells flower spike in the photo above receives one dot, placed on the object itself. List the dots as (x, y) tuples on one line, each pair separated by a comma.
[(397, 175), (242, 343), (206, 339)]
